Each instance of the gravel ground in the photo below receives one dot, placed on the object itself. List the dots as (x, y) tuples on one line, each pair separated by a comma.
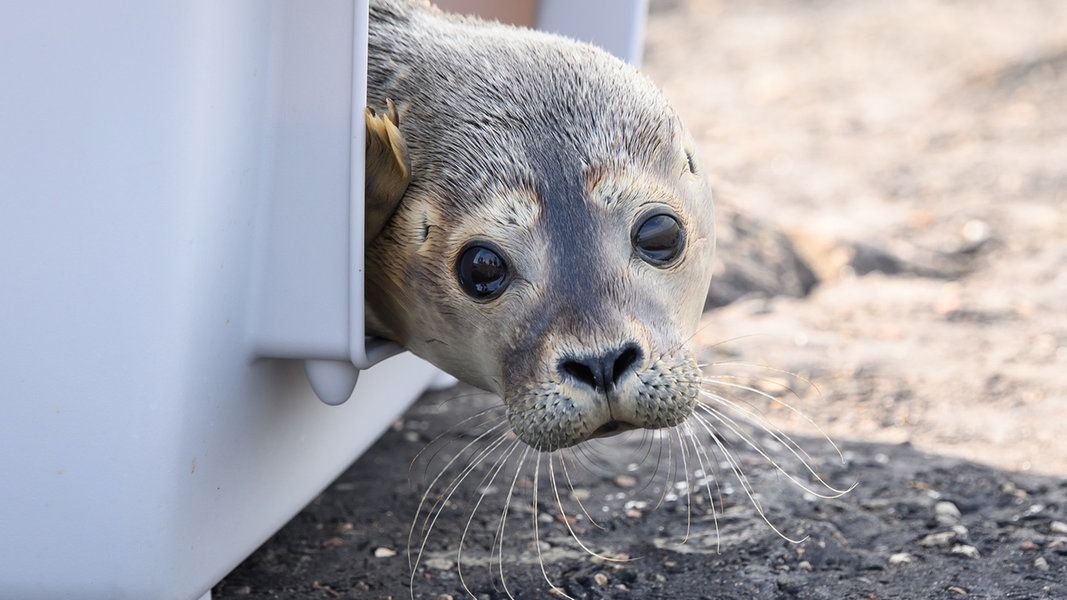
[(892, 185), (916, 525)]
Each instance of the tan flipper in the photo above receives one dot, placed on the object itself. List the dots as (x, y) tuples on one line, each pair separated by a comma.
[(388, 169)]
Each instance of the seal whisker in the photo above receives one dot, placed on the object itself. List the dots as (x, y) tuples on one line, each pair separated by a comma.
[(671, 469), (707, 466), (443, 497), (586, 458), (434, 511), (648, 439), (737, 429), (806, 461), (487, 482), (794, 448), (688, 497), (502, 526), (467, 424), (566, 521), (537, 535), (751, 412), (742, 477), (723, 381), (570, 484)]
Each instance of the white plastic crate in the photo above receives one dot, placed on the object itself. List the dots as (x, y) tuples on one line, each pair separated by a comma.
[(179, 187)]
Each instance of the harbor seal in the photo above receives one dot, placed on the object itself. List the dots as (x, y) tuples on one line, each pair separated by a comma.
[(538, 223)]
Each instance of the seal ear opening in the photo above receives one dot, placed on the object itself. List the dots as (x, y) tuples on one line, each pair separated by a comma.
[(388, 169), (690, 154)]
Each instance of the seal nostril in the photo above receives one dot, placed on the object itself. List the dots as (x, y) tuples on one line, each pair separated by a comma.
[(580, 371), (602, 372), (624, 362)]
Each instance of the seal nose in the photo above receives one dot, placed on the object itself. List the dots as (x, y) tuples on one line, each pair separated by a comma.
[(602, 372)]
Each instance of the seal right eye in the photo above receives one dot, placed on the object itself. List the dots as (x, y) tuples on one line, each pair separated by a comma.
[(482, 271)]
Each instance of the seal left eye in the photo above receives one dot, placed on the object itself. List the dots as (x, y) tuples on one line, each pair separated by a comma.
[(482, 271), (658, 239)]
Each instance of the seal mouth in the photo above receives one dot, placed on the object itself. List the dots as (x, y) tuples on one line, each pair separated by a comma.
[(611, 428)]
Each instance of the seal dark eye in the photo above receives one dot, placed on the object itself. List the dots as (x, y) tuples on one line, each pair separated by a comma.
[(482, 271), (658, 239)]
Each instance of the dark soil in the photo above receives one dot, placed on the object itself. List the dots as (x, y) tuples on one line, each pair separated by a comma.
[(916, 525), (892, 186)]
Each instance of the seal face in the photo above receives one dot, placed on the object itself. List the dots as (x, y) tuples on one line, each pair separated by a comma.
[(538, 224)]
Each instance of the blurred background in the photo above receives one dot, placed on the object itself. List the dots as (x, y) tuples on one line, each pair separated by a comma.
[(891, 184)]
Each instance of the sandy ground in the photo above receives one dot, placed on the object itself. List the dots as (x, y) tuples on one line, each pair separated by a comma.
[(908, 161), (935, 132)]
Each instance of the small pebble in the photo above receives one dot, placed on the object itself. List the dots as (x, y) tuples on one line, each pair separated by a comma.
[(383, 552), (1058, 527), (900, 558), (1041, 564), (438, 564), (625, 481), (804, 565), (332, 542), (976, 231), (444, 597), (580, 494), (941, 539), (876, 504), (568, 519), (947, 510), (601, 579), (955, 589), (966, 550)]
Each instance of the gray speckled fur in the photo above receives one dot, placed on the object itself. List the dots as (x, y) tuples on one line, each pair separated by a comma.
[(552, 150)]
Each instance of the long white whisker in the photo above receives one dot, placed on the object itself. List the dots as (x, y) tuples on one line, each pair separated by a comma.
[(671, 468), (486, 482), (787, 442), (743, 479), (735, 428), (563, 515), (706, 465), (433, 484), (537, 536), (504, 517), (464, 425), (570, 484), (792, 409), (688, 497), (437, 509)]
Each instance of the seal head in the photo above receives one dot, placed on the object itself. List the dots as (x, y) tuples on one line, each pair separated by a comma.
[(538, 224)]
